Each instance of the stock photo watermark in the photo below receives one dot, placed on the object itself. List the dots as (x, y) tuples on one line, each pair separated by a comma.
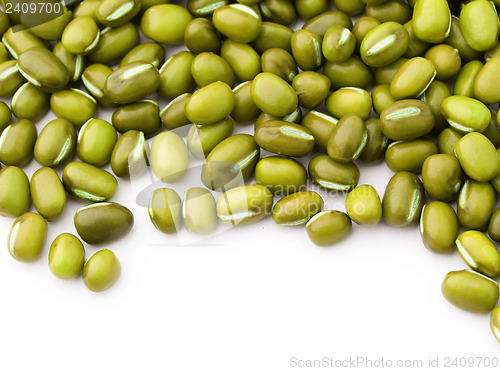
[(364, 362), (36, 12)]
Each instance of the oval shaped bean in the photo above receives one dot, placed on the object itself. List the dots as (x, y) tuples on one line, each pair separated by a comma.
[(465, 114), (165, 23), (88, 182), (73, 105), (210, 104), (66, 256), (347, 101), (331, 174), (281, 175), (47, 193), (273, 95), (403, 200), (231, 162), (244, 205), (242, 58), (14, 192), (130, 154), (297, 208), (94, 78), (376, 143), (328, 227), (439, 227), (442, 176), (306, 50), (101, 270), (165, 210), (480, 35), (17, 143), (239, 22), (132, 82), (407, 119), (363, 205), (143, 115), (27, 237), (43, 69), (486, 81), (320, 126), (384, 44), (114, 43), (169, 157), (284, 138), (199, 212), (29, 102), (478, 157), (413, 78), (409, 155), (114, 13), (470, 291), (103, 222), (348, 139), (95, 142), (476, 203), (431, 20), (479, 253), (81, 35), (209, 67), (56, 143)]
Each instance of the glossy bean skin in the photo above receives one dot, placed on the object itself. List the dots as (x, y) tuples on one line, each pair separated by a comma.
[(470, 291), (479, 253), (47, 193), (27, 236), (244, 205), (328, 227), (199, 213), (297, 208), (403, 200), (231, 161), (103, 222), (439, 227), (66, 256), (101, 270)]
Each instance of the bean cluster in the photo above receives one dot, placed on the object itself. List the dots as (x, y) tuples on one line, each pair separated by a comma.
[(413, 82)]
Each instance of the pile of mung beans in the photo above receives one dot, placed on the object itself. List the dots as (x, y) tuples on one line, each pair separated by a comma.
[(414, 83)]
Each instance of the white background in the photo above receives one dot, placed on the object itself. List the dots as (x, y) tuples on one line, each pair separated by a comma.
[(248, 298)]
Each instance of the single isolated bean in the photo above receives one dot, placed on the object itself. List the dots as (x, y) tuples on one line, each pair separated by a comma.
[(470, 291), (27, 237), (101, 270), (328, 227), (66, 256)]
